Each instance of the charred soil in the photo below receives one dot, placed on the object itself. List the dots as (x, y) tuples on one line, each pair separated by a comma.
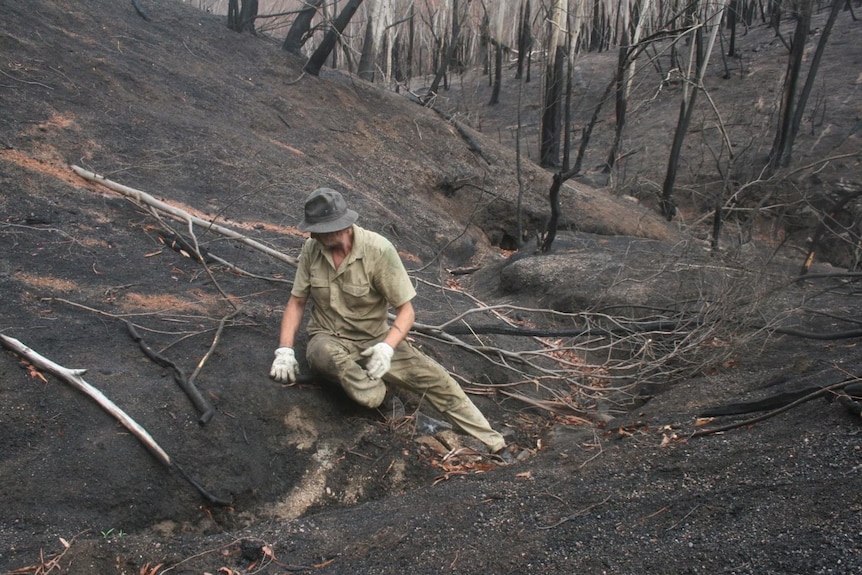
[(225, 127)]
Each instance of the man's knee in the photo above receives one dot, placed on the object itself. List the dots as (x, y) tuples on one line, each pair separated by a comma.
[(329, 357), (325, 355), (371, 396)]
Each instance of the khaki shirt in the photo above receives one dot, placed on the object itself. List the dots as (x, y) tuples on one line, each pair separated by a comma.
[(353, 301)]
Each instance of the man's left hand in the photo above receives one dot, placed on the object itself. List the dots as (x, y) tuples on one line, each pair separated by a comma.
[(380, 359)]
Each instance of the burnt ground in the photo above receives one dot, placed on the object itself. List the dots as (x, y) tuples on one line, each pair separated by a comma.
[(223, 126)]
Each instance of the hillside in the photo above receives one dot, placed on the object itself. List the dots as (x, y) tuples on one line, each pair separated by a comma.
[(226, 127)]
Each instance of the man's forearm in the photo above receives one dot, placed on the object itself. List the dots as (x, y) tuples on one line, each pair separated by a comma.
[(403, 323), (291, 320)]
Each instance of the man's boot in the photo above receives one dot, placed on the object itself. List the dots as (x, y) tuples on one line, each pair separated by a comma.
[(468, 417), (392, 407)]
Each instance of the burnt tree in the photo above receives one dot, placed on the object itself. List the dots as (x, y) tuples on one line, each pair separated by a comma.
[(241, 17), (315, 62), (300, 30)]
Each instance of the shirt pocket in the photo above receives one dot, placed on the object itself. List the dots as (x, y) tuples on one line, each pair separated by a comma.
[(355, 293), (359, 299), (320, 292)]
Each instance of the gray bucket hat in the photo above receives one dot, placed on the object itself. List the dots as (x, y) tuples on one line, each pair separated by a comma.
[(326, 211)]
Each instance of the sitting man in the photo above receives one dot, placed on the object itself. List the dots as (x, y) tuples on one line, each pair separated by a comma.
[(353, 277)]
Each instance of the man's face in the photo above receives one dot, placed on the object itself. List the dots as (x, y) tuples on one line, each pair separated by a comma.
[(329, 240)]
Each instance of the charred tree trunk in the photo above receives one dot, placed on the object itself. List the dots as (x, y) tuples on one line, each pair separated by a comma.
[(701, 53), (300, 29), (620, 103), (525, 39), (731, 24), (791, 107), (240, 19), (443, 67), (686, 107), (498, 73), (553, 222), (233, 14), (549, 140), (411, 35), (315, 63), (549, 155), (780, 147)]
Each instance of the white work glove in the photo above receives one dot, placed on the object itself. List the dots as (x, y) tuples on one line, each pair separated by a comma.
[(380, 361), (285, 365)]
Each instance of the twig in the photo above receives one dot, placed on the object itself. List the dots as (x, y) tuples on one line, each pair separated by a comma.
[(601, 450), (201, 554), (580, 513), (686, 516), (26, 81), (213, 346)]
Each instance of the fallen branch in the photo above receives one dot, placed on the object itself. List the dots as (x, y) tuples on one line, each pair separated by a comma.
[(201, 404), (788, 407), (182, 215), (74, 378)]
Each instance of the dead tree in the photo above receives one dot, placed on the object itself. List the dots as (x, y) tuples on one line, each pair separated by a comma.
[(621, 103), (549, 152), (792, 106), (700, 58), (443, 67), (525, 39), (315, 63), (300, 30), (732, 17), (240, 19), (628, 52), (498, 73), (559, 178)]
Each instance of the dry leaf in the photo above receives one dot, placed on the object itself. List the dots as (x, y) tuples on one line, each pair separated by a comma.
[(33, 372), (148, 570), (666, 439)]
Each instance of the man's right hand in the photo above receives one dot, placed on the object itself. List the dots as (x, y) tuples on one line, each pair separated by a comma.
[(285, 366)]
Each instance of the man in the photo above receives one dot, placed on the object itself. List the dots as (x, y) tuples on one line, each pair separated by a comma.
[(353, 276)]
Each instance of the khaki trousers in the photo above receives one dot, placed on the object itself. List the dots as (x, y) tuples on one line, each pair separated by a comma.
[(340, 360)]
